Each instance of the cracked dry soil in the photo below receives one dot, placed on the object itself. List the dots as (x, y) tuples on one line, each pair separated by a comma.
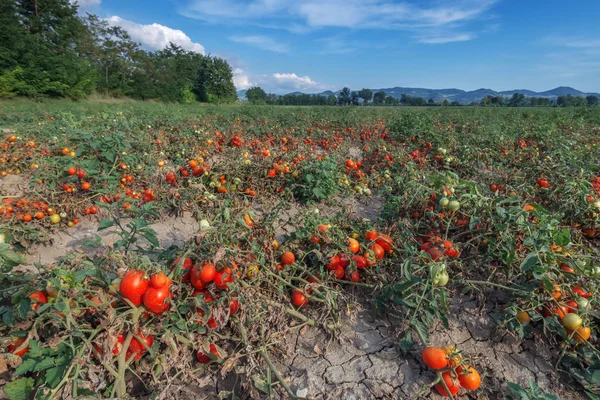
[(362, 361)]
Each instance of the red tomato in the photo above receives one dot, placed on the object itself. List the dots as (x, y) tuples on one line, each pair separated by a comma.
[(339, 272), (234, 306), (205, 359), (223, 278), (133, 286), (378, 250), (385, 242), (12, 348), (360, 261), (435, 357), (195, 278), (185, 268), (288, 258), (453, 386), (137, 346), (159, 280), (371, 235), (38, 298), (298, 298), (157, 300), (208, 272), (578, 291)]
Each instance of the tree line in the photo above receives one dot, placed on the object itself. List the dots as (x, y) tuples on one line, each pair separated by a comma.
[(346, 97), (48, 50), (519, 100)]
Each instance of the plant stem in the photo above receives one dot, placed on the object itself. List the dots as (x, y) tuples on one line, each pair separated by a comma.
[(265, 356)]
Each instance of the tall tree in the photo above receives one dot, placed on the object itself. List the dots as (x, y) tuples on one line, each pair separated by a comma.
[(592, 100), (354, 98), (256, 95), (331, 100), (366, 95), (215, 81), (379, 97), (344, 97)]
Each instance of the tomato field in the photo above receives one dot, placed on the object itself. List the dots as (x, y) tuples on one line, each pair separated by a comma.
[(311, 251)]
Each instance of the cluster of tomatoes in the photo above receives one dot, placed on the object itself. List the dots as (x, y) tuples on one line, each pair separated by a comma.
[(453, 372), (437, 247), (30, 210), (339, 265), (566, 308)]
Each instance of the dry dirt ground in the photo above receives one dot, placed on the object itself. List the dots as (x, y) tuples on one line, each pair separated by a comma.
[(361, 361)]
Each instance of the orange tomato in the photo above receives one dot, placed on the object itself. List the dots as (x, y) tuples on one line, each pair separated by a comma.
[(353, 245)]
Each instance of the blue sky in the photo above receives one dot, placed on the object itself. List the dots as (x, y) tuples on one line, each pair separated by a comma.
[(315, 45)]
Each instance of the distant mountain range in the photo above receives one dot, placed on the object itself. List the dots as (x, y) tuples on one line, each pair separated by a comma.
[(462, 96)]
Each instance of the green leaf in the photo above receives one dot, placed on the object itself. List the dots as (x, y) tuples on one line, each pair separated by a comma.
[(8, 318), (529, 262), (406, 343), (54, 375), (27, 365), (23, 307), (21, 389), (105, 223), (563, 238), (80, 275)]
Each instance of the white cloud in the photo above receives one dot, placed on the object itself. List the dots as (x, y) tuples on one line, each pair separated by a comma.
[(262, 42), (86, 4), (442, 39), (280, 83), (356, 14), (295, 81), (156, 36), (241, 80)]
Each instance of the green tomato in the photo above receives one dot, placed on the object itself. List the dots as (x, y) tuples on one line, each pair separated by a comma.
[(2, 238), (572, 321), (443, 279), (444, 201), (583, 303), (55, 218), (453, 205)]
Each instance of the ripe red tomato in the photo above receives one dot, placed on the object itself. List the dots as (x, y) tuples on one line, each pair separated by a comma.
[(339, 272), (288, 258), (208, 272), (159, 280), (353, 276), (137, 346), (371, 235), (571, 306), (234, 306), (578, 291), (38, 298), (12, 348), (195, 278), (435, 357), (157, 300), (205, 359), (378, 250), (185, 268), (453, 386), (360, 261), (385, 242), (298, 298), (469, 378), (133, 286), (223, 278)]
